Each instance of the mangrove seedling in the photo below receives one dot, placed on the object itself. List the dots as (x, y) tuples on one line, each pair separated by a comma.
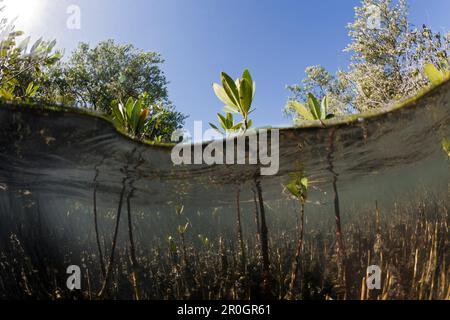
[(173, 249), (319, 111), (313, 111), (182, 228), (238, 98), (298, 187), (135, 116), (181, 231), (340, 249), (179, 208)]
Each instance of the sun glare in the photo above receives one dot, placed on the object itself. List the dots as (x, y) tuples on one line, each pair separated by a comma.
[(25, 12)]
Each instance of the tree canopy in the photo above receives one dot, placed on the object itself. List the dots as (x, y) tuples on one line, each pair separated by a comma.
[(23, 66), (387, 63), (95, 77), (111, 73), (386, 60)]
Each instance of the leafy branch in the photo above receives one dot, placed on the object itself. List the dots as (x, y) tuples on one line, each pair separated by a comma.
[(238, 98)]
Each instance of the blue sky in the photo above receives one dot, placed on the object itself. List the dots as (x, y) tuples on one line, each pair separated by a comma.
[(198, 39)]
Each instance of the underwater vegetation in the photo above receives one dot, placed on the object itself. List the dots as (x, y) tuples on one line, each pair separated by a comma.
[(140, 228), (410, 242)]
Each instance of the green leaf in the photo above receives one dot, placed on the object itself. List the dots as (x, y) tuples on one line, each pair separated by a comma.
[(51, 45), (237, 127), (29, 87), (231, 89), (35, 89), (31, 90), (301, 110), (36, 46), (129, 106), (314, 106), (230, 109), (304, 182), (38, 70), (245, 95), (22, 47), (246, 75), (117, 111), (6, 94), (122, 110), (222, 121), (135, 114), (179, 209), (434, 74), (223, 96), (292, 189), (214, 127), (182, 229)]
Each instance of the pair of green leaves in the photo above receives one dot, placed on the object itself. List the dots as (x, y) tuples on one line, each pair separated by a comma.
[(227, 123), (132, 116), (179, 209), (314, 109), (298, 186), (238, 98), (31, 90), (437, 75), (182, 228)]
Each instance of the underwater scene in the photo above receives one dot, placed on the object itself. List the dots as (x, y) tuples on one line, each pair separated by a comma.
[(74, 191), (218, 159)]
